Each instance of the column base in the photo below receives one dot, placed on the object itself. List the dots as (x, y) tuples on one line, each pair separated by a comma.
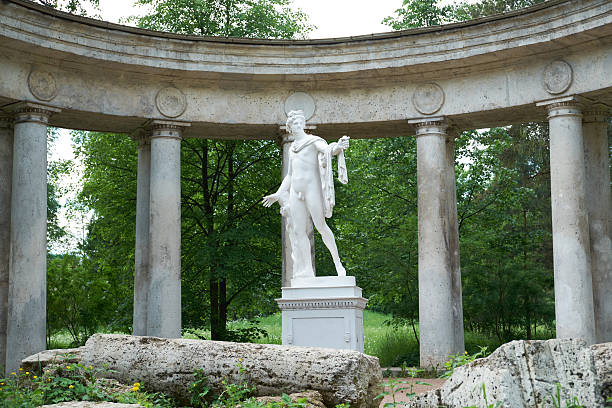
[(323, 312)]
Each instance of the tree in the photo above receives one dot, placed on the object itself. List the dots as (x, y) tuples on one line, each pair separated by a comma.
[(226, 18), (229, 242), (425, 13)]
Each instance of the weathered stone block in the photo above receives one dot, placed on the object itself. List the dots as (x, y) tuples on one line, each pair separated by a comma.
[(38, 361), (525, 374), (167, 365), (602, 355)]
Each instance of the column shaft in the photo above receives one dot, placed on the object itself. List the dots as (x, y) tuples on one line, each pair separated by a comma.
[(26, 329), (141, 255), (571, 248), (287, 260), (453, 244), (595, 128), (6, 170), (164, 299), (438, 248)]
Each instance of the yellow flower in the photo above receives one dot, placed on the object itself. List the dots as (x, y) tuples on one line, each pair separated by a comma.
[(13, 373), (27, 373), (48, 379), (1, 383), (90, 367), (466, 352), (20, 369), (71, 386), (134, 389), (136, 384), (35, 377), (67, 367)]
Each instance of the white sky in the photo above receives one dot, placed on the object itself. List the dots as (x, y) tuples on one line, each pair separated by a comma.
[(333, 18)]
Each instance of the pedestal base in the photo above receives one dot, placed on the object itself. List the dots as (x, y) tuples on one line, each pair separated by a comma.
[(323, 312)]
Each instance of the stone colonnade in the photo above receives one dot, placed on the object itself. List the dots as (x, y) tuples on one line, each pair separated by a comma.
[(581, 209)]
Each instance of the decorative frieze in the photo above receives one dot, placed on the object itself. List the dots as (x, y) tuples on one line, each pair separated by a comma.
[(171, 102), (300, 101), (428, 98), (557, 77), (42, 84), (319, 304)]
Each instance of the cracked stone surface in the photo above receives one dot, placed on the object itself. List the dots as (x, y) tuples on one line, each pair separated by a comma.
[(526, 373), (167, 365)]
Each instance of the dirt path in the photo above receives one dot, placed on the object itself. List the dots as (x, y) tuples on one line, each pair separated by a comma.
[(417, 388)]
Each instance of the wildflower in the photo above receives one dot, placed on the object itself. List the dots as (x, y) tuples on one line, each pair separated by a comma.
[(67, 367), (1, 383), (91, 367), (71, 386), (134, 389), (27, 373), (13, 373), (136, 384), (466, 352), (20, 369), (35, 377)]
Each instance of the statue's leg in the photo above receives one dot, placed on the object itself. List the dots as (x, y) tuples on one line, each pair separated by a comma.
[(315, 207), (300, 243)]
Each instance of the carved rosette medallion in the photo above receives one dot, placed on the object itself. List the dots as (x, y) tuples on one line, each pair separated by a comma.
[(42, 84), (171, 102), (300, 101), (428, 98), (557, 77)]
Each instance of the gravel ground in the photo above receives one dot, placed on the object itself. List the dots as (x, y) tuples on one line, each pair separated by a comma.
[(417, 388)]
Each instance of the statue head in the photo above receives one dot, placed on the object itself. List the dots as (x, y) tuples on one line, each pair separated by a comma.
[(295, 121)]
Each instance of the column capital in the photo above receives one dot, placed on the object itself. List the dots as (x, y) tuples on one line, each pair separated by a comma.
[(141, 136), (430, 126), (166, 129), (596, 112), (6, 121), (25, 111), (565, 106)]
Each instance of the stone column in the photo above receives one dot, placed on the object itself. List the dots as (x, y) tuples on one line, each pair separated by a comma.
[(141, 255), (26, 328), (164, 297), (595, 128), (570, 224), (6, 170), (453, 243), (287, 261), (440, 317)]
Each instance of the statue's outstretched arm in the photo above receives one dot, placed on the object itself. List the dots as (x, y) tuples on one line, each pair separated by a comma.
[(282, 191)]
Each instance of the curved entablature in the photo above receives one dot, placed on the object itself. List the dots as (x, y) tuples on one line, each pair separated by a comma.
[(479, 73)]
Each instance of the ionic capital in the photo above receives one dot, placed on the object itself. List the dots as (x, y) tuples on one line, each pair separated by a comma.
[(430, 126), (566, 106), (166, 129), (31, 112)]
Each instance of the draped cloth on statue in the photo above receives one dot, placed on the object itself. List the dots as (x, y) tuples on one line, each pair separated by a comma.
[(325, 170)]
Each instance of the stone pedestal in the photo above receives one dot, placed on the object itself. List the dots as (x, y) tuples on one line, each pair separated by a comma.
[(323, 312)]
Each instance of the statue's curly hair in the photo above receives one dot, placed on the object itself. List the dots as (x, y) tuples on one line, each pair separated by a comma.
[(293, 116)]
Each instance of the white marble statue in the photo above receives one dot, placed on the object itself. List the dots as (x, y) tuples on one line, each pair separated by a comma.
[(307, 193)]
